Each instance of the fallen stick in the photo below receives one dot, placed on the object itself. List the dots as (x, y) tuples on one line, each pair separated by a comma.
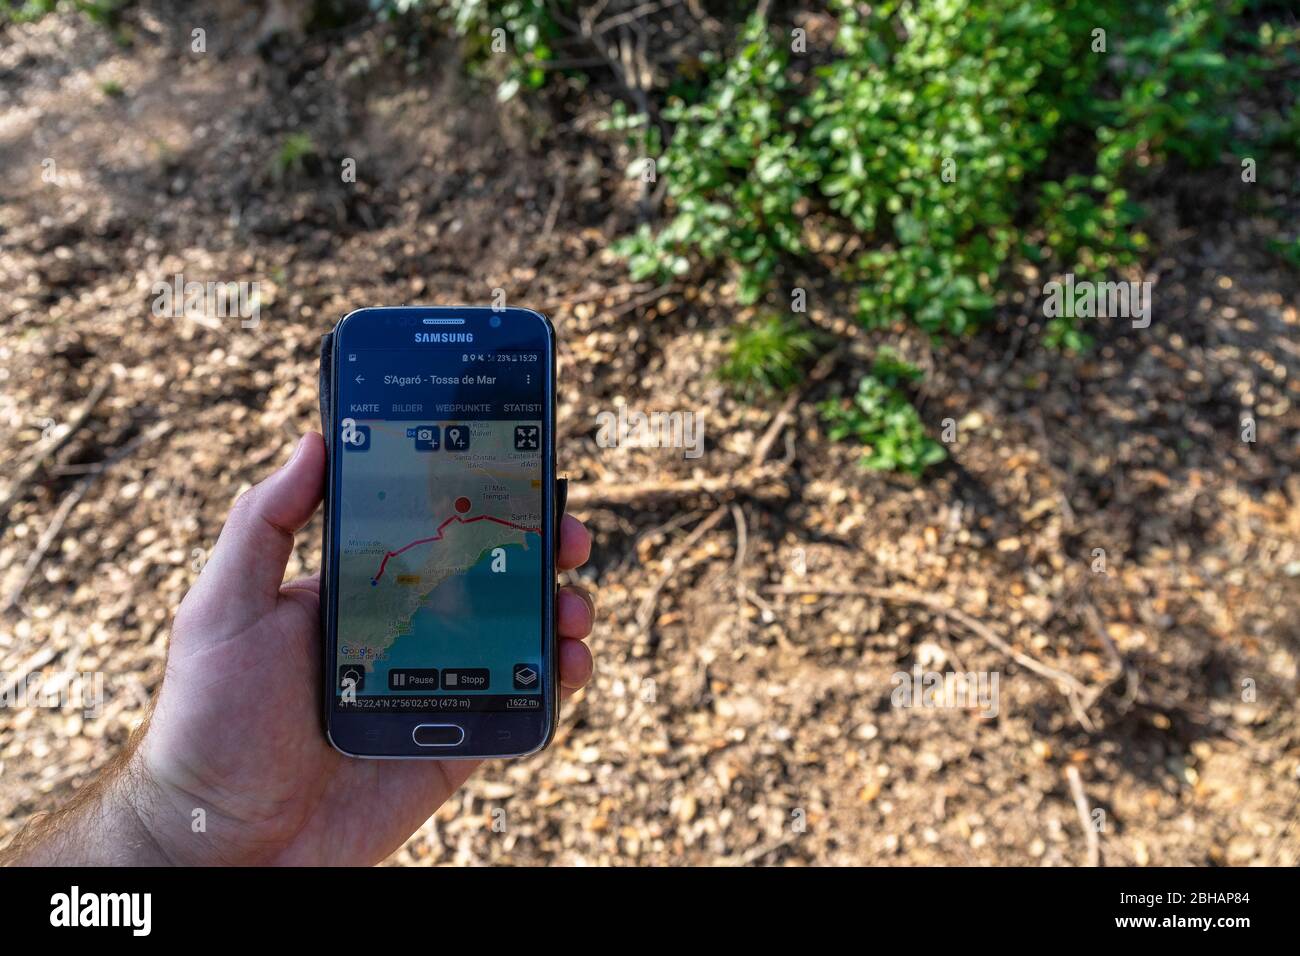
[(1120, 667), (16, 675), (634, 304), (552, 305), (553, 213), (738, 566), (754, 854), (1067, 684), (51, 447), (747, 482), (70, 501), (760, 482), (645, 611), (783, 414), (1085, 815)]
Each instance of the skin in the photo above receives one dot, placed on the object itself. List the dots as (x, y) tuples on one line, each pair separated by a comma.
[(235, 730)]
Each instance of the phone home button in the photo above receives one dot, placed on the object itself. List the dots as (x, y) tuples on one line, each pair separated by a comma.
[(438, 735)]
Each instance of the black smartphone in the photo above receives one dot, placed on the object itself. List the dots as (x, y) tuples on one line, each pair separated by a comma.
[(441, 520)]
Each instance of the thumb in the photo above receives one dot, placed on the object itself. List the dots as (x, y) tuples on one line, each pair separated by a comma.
[(248, 562)]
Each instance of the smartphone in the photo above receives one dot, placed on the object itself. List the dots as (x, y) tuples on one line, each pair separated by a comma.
[(438, 584)]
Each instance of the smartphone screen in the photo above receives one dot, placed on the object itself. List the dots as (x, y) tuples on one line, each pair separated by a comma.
[(442, 564)]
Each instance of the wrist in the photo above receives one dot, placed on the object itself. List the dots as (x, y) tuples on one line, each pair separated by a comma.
[(104, 825), (137, 803)]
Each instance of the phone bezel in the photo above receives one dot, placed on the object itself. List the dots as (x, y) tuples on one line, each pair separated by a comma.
[(389, 735)]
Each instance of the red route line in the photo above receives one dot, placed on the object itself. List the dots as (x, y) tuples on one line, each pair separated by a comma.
[(438, 537)]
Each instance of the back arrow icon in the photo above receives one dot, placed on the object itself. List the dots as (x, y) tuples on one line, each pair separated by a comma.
[(360, 379)]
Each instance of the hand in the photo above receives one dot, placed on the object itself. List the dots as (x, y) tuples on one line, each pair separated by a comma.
[(236, 730)]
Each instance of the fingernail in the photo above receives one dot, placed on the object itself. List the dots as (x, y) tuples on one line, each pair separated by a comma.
[(591, 601), (297, 450)]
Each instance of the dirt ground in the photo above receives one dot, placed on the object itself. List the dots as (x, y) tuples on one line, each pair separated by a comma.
[(741, 707)]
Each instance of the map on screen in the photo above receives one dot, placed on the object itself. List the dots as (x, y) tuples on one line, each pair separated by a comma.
[(440, 556)]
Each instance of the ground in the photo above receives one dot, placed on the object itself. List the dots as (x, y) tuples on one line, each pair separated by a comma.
[(741, 707)]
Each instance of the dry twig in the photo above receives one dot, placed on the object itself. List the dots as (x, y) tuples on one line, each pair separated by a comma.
[(646, 611), (757, 483), (73, 498), (1085, 815), (760, 480), (783, 414), (51, 447), (1067, 684)]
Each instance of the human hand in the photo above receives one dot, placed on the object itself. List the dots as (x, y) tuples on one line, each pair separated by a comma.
[(236, 728)]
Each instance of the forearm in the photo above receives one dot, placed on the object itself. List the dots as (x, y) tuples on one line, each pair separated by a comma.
[(102, 825)]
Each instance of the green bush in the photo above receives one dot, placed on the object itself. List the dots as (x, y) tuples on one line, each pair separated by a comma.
[(105, 12), (928, 133), (922, 143), (735, 175), (950, 138), (944, 140), (768, 357), (25, 11), (296, 151), (881, 418), (517, 57), (1177, 85)]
